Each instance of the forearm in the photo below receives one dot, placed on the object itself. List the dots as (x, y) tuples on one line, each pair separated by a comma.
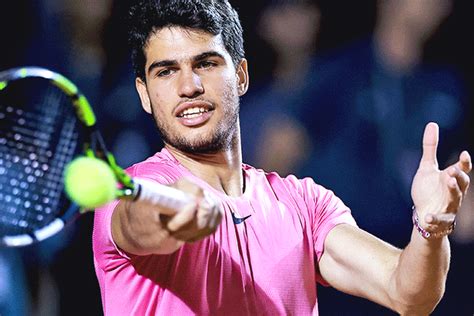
[(138, 230), (418, 282)]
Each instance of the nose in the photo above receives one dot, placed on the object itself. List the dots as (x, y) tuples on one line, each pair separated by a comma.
[(190, 85)]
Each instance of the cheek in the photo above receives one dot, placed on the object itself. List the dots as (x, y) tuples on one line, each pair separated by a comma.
[(163, 91), (222, 82), (161, 94), (158, 104), (230, 94)]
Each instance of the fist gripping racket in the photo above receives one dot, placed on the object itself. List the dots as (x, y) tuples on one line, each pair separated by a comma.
[(53, 161)]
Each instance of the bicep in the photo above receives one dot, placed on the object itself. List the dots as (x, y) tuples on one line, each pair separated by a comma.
[(358, 263)]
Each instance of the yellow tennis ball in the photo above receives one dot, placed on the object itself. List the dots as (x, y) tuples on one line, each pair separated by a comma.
[(89, 182)]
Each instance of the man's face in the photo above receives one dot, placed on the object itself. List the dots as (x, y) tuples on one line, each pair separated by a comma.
[(192, 89)]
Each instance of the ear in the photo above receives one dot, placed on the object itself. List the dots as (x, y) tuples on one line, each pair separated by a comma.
[(143, 93), (243, 77)]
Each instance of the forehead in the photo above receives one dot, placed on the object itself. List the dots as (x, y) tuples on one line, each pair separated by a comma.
[(177, 43)]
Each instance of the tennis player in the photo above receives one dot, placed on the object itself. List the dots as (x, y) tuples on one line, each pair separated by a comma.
[(251, 242)]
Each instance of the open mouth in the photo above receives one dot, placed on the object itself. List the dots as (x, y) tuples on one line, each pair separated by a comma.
[(194, 114)]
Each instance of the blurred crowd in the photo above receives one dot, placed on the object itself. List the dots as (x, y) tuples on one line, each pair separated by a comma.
[(340, 91)]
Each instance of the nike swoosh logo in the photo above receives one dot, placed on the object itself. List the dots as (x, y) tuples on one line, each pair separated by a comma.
[(239, 220)]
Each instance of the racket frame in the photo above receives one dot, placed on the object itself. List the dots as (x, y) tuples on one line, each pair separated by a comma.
[(94, 146)]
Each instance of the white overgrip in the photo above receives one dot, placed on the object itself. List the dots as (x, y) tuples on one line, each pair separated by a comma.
[(161, 195)]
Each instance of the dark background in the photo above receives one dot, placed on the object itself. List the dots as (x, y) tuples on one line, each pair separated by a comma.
[(58, 35)]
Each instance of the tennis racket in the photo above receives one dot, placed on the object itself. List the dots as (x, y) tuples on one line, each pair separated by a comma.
[(45, 123)]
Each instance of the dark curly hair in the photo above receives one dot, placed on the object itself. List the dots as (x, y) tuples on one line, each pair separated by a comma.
[(212, 16)]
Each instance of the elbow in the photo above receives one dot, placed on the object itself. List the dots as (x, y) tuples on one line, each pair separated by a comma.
[(420, 296), (417, 310), (420, 306)]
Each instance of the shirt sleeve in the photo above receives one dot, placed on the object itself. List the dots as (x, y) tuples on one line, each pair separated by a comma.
[(326, 212), (107, 255)]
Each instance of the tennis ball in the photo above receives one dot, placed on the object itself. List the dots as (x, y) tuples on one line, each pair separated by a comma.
[(89, 182)]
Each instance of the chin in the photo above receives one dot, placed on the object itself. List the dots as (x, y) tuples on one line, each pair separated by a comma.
[(207, 139)]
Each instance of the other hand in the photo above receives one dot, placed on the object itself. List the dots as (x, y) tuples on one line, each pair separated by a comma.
[(438, 194)]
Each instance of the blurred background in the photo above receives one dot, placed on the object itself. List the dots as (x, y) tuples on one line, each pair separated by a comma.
[(340, 91)]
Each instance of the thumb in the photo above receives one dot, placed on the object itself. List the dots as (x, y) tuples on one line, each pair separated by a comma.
[(430, 145)]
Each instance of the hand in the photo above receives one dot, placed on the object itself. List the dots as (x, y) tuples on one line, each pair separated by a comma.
[(438, 194), (198, 219)]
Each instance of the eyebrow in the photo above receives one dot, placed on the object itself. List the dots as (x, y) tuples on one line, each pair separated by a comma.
[(172, 62), (207, 55)]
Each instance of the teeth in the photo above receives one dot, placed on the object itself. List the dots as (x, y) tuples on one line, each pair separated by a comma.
[(193, 112)]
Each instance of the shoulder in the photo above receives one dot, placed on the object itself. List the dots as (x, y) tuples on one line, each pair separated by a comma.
[(306, 187), (161, 167)]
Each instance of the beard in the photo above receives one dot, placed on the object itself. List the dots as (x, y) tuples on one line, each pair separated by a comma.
[(223, 137)]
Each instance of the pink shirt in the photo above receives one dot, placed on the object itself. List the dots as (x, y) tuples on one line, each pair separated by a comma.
[(267, 265)]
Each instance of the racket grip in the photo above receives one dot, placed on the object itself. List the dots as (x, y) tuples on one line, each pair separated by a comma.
[(160, 194)]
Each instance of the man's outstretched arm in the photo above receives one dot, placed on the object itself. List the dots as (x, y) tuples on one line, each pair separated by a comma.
[(411, 281), (143, 229)]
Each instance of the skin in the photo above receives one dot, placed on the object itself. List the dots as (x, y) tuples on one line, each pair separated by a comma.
[(409, 281), (181, 78)]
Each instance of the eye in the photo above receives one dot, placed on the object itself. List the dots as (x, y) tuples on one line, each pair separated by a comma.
[(206, 64), (164, 72)]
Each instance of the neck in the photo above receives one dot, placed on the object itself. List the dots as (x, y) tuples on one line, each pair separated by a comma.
[(221, 170)]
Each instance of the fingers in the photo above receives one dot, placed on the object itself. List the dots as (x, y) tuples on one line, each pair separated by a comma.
[(188, 213), (183, 217), (189, 187), (455, 195), (196, 220), (195, 223), (458, 179), (209, 214), (465, 162), (430, 145), (436, 222)]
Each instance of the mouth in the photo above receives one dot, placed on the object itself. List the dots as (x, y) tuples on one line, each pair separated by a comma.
[(194, 113)]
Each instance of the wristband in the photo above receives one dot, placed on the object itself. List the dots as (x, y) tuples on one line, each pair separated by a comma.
[(429, 235)]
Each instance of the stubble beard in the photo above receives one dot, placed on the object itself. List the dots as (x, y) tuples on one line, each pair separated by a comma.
[(221, 139)]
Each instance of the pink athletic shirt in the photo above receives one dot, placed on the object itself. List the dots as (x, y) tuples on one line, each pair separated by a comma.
[(267, 265)]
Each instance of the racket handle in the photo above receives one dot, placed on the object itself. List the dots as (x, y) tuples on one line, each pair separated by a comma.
[(160, 194)]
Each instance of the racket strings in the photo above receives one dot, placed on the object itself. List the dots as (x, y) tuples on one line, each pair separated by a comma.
[(37, 138)]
